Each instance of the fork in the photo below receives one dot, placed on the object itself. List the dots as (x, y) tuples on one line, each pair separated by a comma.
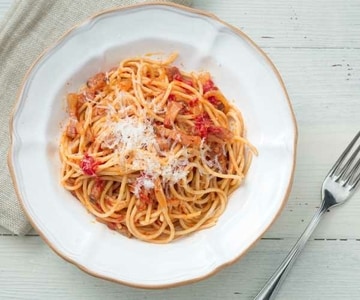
[(338, 186)]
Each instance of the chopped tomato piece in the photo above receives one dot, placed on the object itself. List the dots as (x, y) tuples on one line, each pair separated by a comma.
[(202, 123), (209, 85), (88, 165), (193, 103), (174, 73), (213, 100), (171, 97), (183, 79), (204, 127)]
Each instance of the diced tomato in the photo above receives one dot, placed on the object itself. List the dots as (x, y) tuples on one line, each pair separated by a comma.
[(217, 103), (174, 73), (88, 165), (171, 97), (202, 123), (209, 85), (193, 103), (215, 130), (213, 100), (183, 79), (205, 128)]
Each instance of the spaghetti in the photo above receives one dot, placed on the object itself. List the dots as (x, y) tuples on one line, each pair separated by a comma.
[(152, 151)]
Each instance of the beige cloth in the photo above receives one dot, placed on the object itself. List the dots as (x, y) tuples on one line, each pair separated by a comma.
[(28, 28)]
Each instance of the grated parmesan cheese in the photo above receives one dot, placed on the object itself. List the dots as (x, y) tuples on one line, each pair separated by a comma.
[(133, 138)]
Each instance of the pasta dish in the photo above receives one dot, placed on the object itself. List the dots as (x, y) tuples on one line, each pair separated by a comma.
[(153, 151)]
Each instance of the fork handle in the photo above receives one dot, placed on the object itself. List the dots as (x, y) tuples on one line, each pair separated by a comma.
[(271, 288)]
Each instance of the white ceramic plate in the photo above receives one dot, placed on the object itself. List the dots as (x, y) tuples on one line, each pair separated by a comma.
[(203, 42)]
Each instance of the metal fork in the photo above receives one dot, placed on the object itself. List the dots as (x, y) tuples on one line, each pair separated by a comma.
[(339, 185)]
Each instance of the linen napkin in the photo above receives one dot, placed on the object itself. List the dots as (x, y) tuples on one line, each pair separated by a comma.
[(25, 32)]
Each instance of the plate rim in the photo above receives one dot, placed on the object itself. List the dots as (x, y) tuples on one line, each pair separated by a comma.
[(89, 20)]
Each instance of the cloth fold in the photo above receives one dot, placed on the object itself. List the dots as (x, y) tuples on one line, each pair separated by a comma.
[(26, 31)]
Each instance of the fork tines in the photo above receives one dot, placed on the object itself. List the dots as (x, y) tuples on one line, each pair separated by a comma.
[(347, 168)]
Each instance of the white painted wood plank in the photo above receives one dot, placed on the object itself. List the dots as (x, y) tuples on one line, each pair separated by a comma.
[(323, 84), (34, 271), (292, 23)]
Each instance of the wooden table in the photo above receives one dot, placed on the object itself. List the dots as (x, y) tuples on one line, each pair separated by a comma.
[(316, 47)]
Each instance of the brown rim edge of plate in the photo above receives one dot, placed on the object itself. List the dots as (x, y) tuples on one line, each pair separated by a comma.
[(129, 7)]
